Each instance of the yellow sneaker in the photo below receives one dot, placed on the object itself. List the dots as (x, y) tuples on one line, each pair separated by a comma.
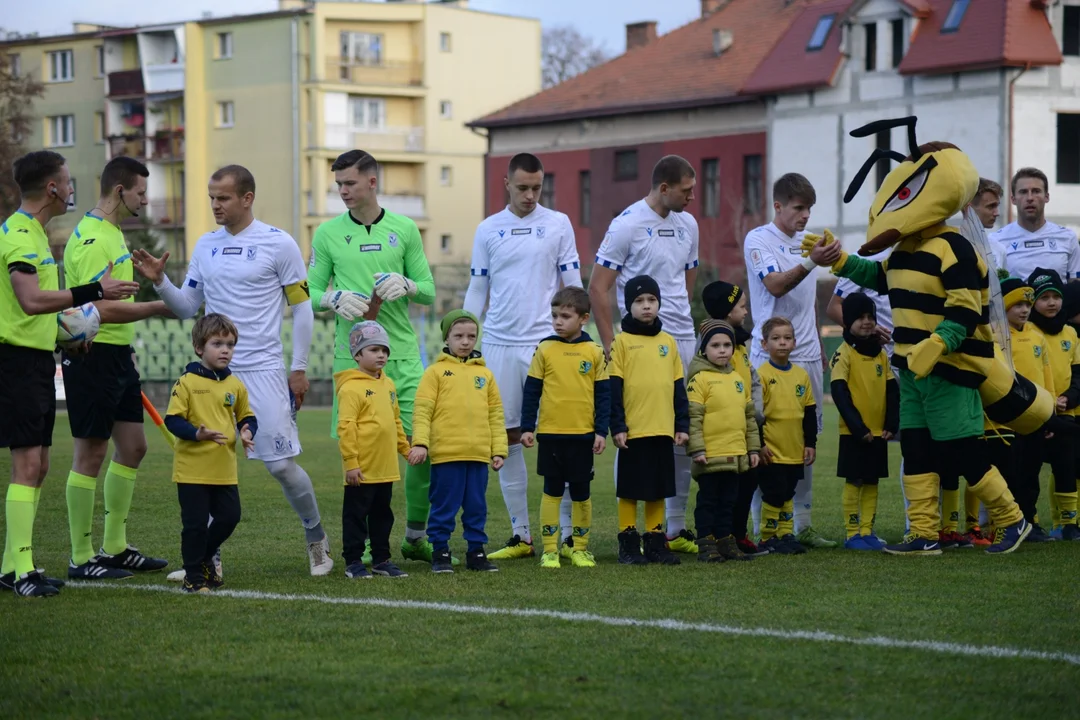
[(567, 549), (683, 543), (550, 560), (582, 558), (515, 549)]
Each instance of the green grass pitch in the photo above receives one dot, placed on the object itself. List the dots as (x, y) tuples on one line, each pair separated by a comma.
[(830, 634)]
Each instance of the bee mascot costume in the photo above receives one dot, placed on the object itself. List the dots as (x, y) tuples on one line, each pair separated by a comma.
[(951, 351)]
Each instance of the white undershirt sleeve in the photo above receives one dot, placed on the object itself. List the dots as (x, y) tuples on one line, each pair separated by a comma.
[(303, 320), (184, 302)]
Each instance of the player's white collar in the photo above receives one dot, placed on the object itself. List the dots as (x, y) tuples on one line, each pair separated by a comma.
[(781, 235), (528, 218)]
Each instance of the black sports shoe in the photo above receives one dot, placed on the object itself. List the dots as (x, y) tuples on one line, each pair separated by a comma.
[(440, 562), (357, 571), (630, 548), (1038, 535), (794, 546), (7, 582), (477, 560), (131, 559), (195, 584), (1070, 532), (211, 577), (389, 569), (656, 549), (33, 584), (94, 569)]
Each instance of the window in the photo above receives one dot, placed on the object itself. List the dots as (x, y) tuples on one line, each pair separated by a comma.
[(1068, 149), (99, 51), (547, 191), (224, 45), (361, 48), (752, 182), (15, 63), (446, 244), (1070, 31), (821, 32), (99, 127), (898, 38), (444, 42), (870, 33), (225, 114), (367, 113), (585, 184), (446, 175), (61, 66), (884, 142), (710, 173), (446, 109), (61, 130), (626, 165), (956, 14)]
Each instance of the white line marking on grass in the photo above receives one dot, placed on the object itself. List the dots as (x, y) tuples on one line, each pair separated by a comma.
[(944, 648)]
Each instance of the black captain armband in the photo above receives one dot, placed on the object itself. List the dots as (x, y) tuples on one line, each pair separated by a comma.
[(22, 267), (82, 294)]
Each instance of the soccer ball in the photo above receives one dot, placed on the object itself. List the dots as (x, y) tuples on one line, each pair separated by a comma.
[(77, 325)]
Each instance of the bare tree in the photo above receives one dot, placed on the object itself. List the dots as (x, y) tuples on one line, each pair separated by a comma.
[(566, 53), (16, 117)]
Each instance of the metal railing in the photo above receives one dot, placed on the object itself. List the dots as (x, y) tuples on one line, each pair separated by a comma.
[(131, 145), (384, 73), (167, 212), (126, 82), (167, 145)]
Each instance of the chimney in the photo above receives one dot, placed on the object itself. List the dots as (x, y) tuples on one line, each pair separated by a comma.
[(640, 34), (721, 41), (708, 7)]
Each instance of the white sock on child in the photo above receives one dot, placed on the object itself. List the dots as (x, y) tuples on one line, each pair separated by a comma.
[(804, 493), (514, 481), (675, 507)]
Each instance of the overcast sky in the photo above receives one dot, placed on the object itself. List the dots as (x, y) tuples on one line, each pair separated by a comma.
[(604, 20)]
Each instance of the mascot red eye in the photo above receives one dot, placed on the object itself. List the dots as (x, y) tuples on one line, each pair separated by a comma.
[(904, 193), (908, 192)]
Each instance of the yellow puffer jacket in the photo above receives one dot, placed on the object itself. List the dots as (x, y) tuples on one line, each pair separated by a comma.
[(457, 411)]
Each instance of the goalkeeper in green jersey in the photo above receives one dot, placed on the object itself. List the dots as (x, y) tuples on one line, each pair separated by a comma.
[(375, 260)]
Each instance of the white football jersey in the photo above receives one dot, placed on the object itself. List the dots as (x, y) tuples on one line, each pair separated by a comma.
[(243, 277), (523, 259), (640, 242), (845, 287), (768, 250), (1052, 247)]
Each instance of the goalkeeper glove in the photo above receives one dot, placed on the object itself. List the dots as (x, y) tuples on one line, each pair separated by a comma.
[(811, 239), (925, 355), (349, 305), (394, 286)]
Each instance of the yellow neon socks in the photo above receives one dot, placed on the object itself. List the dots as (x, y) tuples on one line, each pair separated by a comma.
[(950, 510), (581, 514), (770, 520), (627, 514), (549, 522), (20, 530), (654, 516), (867, 509), (80, 505), (787, 519), (118, 489), (849, 501)]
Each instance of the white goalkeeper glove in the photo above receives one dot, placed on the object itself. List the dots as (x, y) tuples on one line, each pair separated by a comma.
[(394, 286), (349, 305)]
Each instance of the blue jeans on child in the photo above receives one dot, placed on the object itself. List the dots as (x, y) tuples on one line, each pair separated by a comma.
[(458, 486)]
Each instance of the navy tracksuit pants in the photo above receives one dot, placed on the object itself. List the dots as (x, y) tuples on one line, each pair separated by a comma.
[(458, 486)]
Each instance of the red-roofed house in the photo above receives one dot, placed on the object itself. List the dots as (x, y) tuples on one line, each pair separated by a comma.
[(1000, 78)]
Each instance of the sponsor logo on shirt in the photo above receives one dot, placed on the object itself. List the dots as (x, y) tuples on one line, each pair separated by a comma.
[(232, 251), (521, 231), (664, 350), (795, 250), (755, 257), (213, 252), (1031, 243), (584, 367), (607, 242), (393, 240), (479, 383), (666, 232), (348, 239), (540, 232), (371, 247), (648, 231), (502, 233), (251, 253)]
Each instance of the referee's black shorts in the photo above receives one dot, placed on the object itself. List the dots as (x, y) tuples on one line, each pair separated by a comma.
[(27, 397), (102, 388)]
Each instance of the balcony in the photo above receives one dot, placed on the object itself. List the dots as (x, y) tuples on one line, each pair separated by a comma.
[(392, 139), (126, 83), (165, 78), (161, 213), (132, 145), (168, 145), (411, 206), (386, 73)]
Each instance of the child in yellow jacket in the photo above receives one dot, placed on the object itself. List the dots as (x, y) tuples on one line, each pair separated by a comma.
[(458, 422), (370, 437)]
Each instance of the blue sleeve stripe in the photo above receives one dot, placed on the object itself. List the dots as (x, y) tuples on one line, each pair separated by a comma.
[(839, 293), (77, 233), (478, 271), (609, 264), (100, 274), (4, 228), (192, 283), (48, 261), (691, 266), (122, 258), (568, 266), (30, 256)]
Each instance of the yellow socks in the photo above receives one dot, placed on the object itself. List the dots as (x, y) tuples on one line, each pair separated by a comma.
[(787, 519), (867, 509), (627, 514), (80, 505), (999, 502), (921, 492), (549, 522), (19, 551), (1066, 504), (770, 520), (1055, 506), (654, 516), (849, 501), (950, 510), (581, 515), (118, 489)]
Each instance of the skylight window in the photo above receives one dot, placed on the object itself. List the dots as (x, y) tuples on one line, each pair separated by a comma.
[(821, 32), (955, 16)]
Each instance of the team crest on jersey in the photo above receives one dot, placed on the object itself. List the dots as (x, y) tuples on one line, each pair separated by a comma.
[(1038, 351), (1053, 244), (311, 262), (607, 242), (540, 232), (878, 369), (664, 350), (1066, 345), (800, 390), (393, 397), (393, 240), (738, 386), (682, 234), (230, 399), (584, 366), (251, 253), (479, 383)]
